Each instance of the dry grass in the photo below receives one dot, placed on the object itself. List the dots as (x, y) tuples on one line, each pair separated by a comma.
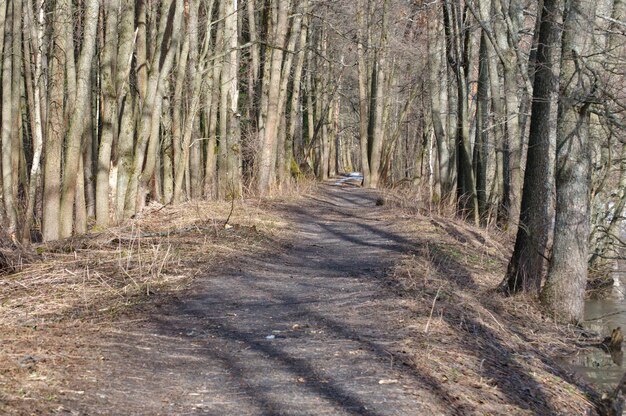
[(89, 275), (53, 298), (489, 354), (286, 192)]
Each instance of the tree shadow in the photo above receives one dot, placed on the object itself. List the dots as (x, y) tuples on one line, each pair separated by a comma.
[(499, 364), (279, 354), (325, 284)]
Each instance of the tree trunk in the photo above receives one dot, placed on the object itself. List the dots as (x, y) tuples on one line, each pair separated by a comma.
[(193, 104), (564, 291), (377, 107), (90, 153), (167, 151), (482, 144), (284, 152), (267, 156), (310, 108), (147, 177), (109, 112), (3, 24), (295, 144), (8, 176), (212, 96), (437, 82), (145, 148), (513, 138), (33, 35), (324, 105), (126, 102), (254, 63), (229, 159), (498, 130), (363, 94), (457, 54), (80, 203), (18, 161), (53, 145), (77, 121), (194, 88), (179, 152), (526, 267)]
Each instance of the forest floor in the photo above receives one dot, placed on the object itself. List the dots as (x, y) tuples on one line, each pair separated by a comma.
[(325, 304)]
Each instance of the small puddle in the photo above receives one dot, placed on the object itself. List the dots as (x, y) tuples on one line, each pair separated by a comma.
[(352, 177), (598, 367)]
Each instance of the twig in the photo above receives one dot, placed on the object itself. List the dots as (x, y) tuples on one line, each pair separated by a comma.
[(431, 310), (605, 316)]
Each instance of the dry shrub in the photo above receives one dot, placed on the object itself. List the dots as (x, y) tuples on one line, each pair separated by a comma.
[(12, 255)]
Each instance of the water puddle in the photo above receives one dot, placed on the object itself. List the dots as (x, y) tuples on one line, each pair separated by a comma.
[(600, 368), (350, 178)]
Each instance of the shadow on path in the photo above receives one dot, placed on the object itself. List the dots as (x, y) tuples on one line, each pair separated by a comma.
[(309, 331)]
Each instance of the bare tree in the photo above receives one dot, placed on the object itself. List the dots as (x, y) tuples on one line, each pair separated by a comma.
[(9, 18), (268, 141), (564, 290), (526, 266)]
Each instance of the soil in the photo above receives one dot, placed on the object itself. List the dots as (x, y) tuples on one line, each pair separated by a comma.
[(356, 309)]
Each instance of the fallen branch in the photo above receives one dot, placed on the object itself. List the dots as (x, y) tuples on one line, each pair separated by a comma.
[(605, 316)]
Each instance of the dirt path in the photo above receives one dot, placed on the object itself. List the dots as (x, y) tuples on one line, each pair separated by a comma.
[(303, 333)]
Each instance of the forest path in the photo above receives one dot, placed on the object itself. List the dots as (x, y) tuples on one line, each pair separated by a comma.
[(306, 332)]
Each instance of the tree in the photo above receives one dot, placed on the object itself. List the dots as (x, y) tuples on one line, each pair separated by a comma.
[(269, 134), (526, 266), (458, 60), (377, 131), (10, 20), (33, 35), (481, 143), (363, 94), (144, 160), (564, 290), (229, 159), (438, 102), (76, 127), (55, 130), (109, 111), (126, 105)]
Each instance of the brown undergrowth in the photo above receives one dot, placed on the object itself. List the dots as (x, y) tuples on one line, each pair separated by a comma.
[(55, 296), (487, 354)]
